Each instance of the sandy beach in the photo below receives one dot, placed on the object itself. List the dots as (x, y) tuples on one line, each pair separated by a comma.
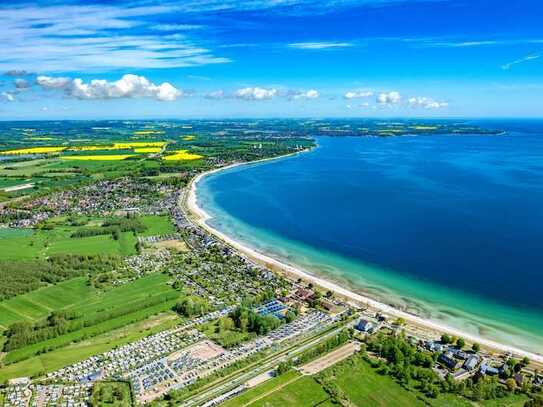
[(200, 217)]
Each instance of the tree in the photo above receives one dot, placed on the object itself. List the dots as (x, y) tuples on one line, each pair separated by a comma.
[(476, 347), (511, 384), (445, 339), (460, 343)]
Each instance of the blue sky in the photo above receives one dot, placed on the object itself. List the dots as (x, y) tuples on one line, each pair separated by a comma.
[(264, 58)]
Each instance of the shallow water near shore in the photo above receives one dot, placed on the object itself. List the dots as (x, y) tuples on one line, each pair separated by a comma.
[(445, 227)]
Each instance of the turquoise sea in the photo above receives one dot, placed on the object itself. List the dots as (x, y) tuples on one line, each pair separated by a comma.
[(447, 227)]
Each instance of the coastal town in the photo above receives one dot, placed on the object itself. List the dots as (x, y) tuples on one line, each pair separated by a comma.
[(171, 312)]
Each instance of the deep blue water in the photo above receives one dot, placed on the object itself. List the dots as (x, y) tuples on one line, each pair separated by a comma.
[(460, 212)]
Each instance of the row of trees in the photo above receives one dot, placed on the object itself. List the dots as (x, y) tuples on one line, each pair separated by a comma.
[(58, 323), (19, 277), (112, 227)]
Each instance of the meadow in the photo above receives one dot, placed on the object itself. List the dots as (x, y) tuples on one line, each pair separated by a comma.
[(43, 243), (359, 382), (99, 312)]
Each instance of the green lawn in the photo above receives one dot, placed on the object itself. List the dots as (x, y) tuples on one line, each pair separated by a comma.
[(129, 302), (157, 225)]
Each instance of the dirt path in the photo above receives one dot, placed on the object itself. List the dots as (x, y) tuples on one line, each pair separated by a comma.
[(330, 358)]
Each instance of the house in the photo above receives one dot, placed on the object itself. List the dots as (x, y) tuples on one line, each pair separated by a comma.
[(433, 346), (488, 370), (471, 362), (364, 326), (447, 360), (460, 354), (304, 294)]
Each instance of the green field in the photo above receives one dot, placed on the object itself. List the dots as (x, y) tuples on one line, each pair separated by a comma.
[(37, 304), (365, 387), (77, 295), (157, 225), (290, 389), (58, 241), (123, 306)]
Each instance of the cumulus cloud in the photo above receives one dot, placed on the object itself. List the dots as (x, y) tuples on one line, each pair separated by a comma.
[(255, 93), (129, 86), (319, 45), (21, 84), (49, 82), (389, 98), (217, 94), (304, 94), (426, 103), (355, 94)]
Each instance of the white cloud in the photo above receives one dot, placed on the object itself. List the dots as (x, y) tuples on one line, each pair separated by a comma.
[(527, 58), (129, 86), (319, 45), (301, 94), (426, 103), (255, 93), (8, 96), (217, 94), (176, 27), (74, 37), (48, 82), (355, 94), (389, 98)]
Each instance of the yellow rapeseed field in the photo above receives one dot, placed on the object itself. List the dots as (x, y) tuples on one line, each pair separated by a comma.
[(140, 144), (120, 146), (93, 148), (189, 138), (148, 150), (35, 150), (111, 157), (182, 155)]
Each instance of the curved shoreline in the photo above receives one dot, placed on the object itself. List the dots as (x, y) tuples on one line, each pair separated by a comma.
[(200, 217)]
